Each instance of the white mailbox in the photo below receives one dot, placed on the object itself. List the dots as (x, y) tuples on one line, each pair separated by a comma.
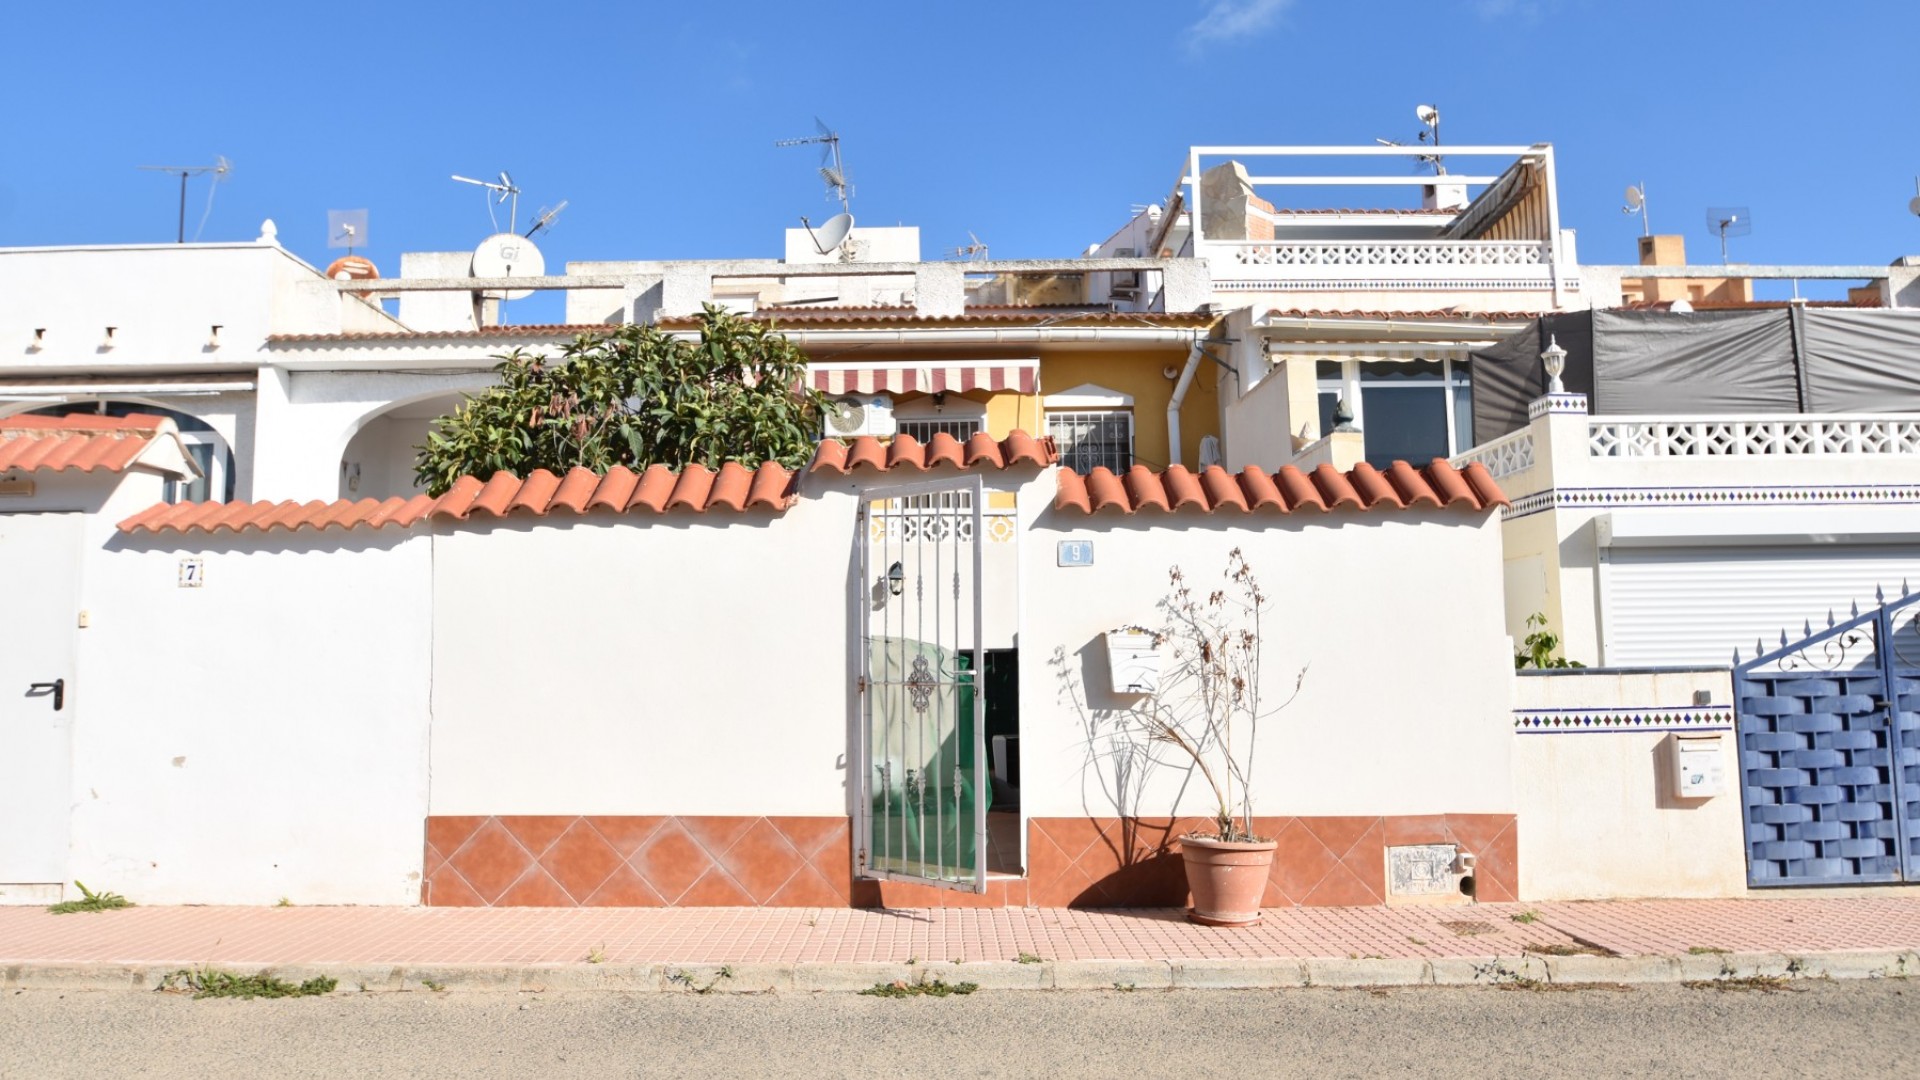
[(1699, 770), (1133, 656)]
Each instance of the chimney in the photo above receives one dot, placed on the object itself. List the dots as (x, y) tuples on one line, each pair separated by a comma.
[(1663, 251), (1443, 194), (1230, 209)]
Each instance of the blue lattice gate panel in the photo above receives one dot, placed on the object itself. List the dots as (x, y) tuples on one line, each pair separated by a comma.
[(1829, 737)]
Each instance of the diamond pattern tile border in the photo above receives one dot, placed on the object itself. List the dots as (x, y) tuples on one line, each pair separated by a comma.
[(1319, 861), (630, 861)]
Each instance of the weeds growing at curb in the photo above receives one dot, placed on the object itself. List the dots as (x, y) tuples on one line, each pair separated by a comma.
[(1526, 918), (1705, 950), (436, 987), (1766, 984), (1029, 958), (91, 901), (284, 902), (1501, 977), (1730, 980), (686, 980), (900, 988), (212, 983), (597, 954), (1125, 987)]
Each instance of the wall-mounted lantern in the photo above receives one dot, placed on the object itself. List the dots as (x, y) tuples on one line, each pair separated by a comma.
[(896, 579)]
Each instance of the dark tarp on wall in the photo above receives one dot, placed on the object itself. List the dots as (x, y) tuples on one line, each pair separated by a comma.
[(1707, 362), (1703, 362), (1862, 360), (1507, 375)]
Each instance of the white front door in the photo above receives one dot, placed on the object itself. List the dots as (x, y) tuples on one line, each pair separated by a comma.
[(39, 587)]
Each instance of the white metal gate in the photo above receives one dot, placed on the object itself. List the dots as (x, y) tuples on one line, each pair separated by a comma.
[(920, 751), (39, 575)]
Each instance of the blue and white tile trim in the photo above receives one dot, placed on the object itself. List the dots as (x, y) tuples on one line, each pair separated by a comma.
[(1578, 721), (1610, 498), (1557, 404)]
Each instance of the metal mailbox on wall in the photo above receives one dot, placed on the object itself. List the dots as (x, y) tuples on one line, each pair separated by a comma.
[(1133, 656), (1699, 769)]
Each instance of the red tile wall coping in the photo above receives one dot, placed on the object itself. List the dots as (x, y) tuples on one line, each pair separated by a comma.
[(79, 441), (980, 451), (657, 490), (1400, 486), (623, 861)]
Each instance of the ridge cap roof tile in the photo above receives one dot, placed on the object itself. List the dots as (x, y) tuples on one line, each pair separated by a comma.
[(734, 486), (1400, 486)]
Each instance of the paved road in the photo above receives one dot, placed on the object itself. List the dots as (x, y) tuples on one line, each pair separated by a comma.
[(1840, 1029)]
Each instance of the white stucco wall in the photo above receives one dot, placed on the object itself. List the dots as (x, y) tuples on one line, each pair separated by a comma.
[(259, 737), (1598, 818), (692, 663), (1396, 617)]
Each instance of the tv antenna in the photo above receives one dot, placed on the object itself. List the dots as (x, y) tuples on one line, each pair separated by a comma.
[(503, 192), (544, 219), (832, 169), (1430, 116), (1913, 204), (347, 229), (975, 250), (221, 170), (1637, 204), (1725, 221)]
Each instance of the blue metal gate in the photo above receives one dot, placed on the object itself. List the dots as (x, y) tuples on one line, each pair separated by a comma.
[(1829, 740)]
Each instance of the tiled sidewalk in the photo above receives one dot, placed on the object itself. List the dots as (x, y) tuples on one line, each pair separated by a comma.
[(453, 936)]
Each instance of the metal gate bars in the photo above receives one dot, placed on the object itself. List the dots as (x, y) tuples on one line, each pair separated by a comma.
[(1829, 742), (921, 803)]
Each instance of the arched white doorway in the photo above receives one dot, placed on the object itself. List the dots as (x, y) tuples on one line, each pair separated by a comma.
[(204, 444), (379, 460)]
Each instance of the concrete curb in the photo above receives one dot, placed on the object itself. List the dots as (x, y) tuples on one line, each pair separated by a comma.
[(1275, 973)]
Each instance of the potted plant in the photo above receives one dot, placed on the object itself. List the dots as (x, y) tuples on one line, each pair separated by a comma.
[(1209, 708)]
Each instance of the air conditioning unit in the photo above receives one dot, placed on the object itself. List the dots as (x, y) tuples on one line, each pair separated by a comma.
[(856, 415)]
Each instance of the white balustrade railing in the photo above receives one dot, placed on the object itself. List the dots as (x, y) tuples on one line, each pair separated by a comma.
[(1509, 454), (1752, 436), (1379, 255)]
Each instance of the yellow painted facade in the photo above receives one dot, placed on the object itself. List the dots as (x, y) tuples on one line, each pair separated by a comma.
[(1140, 373)]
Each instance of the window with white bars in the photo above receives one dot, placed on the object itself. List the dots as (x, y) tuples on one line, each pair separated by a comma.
[(924, 430), (1091, 438)]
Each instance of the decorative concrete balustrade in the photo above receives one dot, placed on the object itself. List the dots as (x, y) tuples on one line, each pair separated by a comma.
[(1376, 255), (1717, 436)]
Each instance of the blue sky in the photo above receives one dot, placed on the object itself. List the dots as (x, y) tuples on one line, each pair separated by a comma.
[(1034, 125)]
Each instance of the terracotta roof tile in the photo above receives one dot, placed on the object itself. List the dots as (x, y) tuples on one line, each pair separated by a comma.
[(943, 450), (1407, 316), (734, 487), (1401, 486), (80, 441), (999, 316)]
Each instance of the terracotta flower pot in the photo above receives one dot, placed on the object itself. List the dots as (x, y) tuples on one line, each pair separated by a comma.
[(1227, 879)]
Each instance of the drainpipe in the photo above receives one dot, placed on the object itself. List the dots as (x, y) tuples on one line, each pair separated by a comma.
[(1194, 354)]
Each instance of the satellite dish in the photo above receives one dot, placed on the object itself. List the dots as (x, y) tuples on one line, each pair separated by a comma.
[(1913, 204), (506, 255), (831, 234), (1428, 115), (347, 229), (1635, 197), (846, 416)]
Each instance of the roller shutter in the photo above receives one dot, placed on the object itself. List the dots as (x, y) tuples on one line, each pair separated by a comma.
[(1675, 605)]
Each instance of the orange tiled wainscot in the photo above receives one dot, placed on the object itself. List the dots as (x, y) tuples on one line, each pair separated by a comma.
[(619, 861)]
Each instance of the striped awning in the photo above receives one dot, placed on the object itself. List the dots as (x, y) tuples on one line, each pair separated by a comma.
[(1021, 376)]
